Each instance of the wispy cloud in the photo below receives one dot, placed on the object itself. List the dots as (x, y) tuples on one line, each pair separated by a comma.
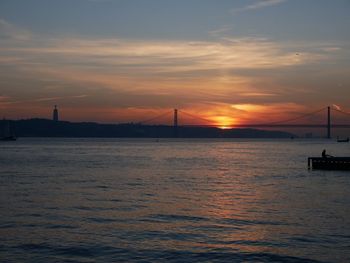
[(62, 98), (220, 31), (337, 107), (257, 5), (99, 1), (195, 70), (10, 31), (162, 56), (120, 73), (4, 98), (158, 67), (257, 94)]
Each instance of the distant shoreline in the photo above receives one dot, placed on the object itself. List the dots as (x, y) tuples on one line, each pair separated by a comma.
[(65, 129)]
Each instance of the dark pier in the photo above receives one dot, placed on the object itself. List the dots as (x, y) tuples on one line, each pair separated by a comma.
[(329, 163)]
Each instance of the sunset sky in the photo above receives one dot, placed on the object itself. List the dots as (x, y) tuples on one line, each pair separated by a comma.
[(227, 61)]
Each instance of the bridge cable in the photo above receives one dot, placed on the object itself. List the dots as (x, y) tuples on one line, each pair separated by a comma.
[(294, 119), (346, 113), (196, 117), (270, 123), (154, 118)]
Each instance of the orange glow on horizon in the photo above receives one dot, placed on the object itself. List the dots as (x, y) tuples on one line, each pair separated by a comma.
[(225, 127), (224, 122)]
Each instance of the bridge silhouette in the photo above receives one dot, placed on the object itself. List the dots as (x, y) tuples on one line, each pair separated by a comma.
[(286, 123)]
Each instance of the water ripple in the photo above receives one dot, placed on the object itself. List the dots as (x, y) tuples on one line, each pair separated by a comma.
[(91, 200), (85, 251)]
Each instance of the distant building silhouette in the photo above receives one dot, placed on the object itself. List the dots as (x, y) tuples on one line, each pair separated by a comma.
[(55, 114)]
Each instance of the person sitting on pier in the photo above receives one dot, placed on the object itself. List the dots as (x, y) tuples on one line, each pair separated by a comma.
[(324, 155)]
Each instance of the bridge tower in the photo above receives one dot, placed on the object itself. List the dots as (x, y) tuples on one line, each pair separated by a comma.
[(329, 122), (175, 124)]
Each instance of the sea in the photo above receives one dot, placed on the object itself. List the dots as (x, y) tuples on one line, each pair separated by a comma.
[(172, 200)]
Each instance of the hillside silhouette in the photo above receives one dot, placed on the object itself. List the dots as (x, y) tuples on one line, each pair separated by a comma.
[(49, 128)]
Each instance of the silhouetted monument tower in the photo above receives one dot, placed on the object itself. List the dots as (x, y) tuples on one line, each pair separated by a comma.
[(175, 123), (329, 123), (55, 114)]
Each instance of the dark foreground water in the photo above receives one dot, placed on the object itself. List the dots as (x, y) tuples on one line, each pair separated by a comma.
[(110, 200)]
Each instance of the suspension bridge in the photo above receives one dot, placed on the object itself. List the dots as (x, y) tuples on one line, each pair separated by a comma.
[(327, 124)]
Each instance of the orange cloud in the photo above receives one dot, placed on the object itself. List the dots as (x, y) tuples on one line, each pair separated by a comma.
[(227, 81)]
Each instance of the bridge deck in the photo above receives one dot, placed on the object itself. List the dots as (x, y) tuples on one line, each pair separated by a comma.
[(275, 125)]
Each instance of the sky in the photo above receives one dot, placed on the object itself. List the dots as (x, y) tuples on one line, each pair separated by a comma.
[(226, 61)]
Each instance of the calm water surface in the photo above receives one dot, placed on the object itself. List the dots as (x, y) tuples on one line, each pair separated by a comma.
[(113, 200)]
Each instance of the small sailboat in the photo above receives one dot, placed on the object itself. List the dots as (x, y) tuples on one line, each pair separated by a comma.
[(7, 133)]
